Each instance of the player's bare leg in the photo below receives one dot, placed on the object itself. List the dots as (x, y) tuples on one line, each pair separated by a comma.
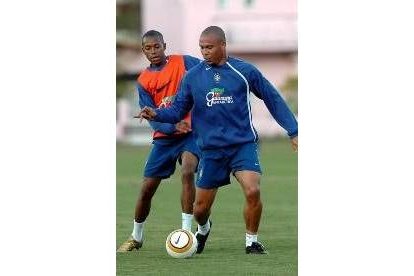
[(250, 183), (188, 166), (202, 206), (142, 209), (143, 205)]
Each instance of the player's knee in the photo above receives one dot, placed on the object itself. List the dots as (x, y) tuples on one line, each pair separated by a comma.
[(147, 191), (253, 194), (200, 210), (146, 195)]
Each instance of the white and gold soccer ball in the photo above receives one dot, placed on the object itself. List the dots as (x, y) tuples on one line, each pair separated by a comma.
[(181, 244)]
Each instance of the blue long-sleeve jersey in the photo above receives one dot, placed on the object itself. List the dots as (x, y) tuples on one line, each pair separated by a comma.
[(219, 99)]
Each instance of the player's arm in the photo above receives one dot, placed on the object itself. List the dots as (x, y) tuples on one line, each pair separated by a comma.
[(274, 102), (146, 100)]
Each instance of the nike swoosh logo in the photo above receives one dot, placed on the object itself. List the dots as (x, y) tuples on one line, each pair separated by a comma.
[(208, 68), (176, 242)]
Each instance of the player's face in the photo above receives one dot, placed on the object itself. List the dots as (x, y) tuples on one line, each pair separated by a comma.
[(213, 49), (154, 48)]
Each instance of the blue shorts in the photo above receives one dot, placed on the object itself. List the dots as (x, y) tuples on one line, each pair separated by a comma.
[(216, 165), (163, 157)]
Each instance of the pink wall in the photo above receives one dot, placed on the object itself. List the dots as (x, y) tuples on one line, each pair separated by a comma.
[(259, 33)]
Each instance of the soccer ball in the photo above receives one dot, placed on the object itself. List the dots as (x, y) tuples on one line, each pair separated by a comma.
[(181, 244)]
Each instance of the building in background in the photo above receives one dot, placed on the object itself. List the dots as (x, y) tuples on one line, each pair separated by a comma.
[(129, 63), (263, 32)]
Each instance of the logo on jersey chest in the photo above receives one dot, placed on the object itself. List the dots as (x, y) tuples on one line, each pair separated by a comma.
[(216, 96), (166, 101)]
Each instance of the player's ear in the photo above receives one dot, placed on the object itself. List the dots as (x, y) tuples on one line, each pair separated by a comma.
[(223, 45), (165, 46)]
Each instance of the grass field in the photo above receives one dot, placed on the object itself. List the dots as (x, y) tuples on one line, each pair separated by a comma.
[(224, 252)]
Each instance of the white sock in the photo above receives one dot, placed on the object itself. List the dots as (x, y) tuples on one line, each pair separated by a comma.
[(186, 221), (250, 239), (203, 229), (137, 233)]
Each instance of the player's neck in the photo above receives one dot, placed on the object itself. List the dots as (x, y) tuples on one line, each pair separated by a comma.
[(163, 61), (222, 61)]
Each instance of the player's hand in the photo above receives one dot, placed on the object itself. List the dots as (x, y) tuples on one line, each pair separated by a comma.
[(146, 113), (183, 127), (294, 143)]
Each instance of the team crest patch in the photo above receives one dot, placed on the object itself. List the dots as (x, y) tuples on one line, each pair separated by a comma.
[(217, 77)]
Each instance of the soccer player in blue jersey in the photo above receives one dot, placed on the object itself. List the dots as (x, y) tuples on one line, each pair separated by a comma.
[(217, 90), (157, 86)]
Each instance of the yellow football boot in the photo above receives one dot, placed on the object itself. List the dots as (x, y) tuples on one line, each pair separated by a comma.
[(129, 245)]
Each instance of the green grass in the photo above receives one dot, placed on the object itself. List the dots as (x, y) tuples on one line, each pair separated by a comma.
[(224, 252)]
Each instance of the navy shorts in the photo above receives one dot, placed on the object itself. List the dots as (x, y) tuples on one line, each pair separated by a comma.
[(216, 165), (163, 157)]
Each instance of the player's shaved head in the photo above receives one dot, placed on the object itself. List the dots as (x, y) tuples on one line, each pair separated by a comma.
[(213, 45), (216, 31), (155, 34)]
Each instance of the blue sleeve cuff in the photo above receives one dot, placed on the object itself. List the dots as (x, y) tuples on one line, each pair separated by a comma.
[(169, 129), (293, 134)]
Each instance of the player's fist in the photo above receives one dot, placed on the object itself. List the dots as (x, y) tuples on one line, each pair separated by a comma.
[(146, 113), (183, 127)]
